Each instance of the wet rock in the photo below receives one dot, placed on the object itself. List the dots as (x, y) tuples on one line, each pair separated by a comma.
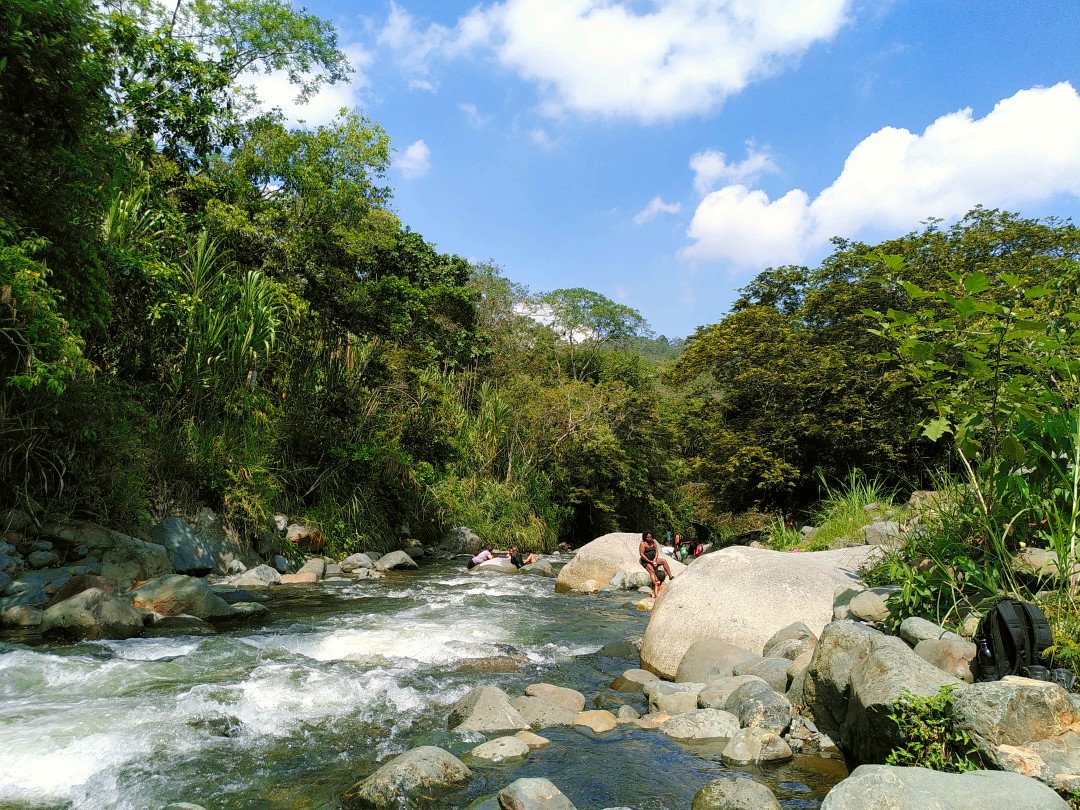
[(541, 568), (497, 565), (709, 659), (355, 562), (541, 713), (599, 720), (316, 566), (420, 774), (633, 680), (22, 616), (300, 578), (181, 624), (261, 576), (533, 794), (715, 694), (951, 655), (872, 604), (187, 553), (178, 594), (758, 706), (77, 584), (625, 714), (501, 749), (461, 540), (395, 559), (734, 793), (597, 562), (534, 741), (183, 806), (250, 610), (280, 564), (753, 745), (486, 709), (914, 629), (672, 697), (922, 789), (42, 559), (771, 670), (701, 724), (570, 698), (92, 614)]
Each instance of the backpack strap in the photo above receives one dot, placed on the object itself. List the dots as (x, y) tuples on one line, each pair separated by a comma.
[(1041, 634), (1011, 633)]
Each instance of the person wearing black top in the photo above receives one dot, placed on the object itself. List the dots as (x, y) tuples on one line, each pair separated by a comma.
[(652, 560)]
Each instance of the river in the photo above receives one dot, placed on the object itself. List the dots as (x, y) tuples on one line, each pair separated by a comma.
[(291, 713)]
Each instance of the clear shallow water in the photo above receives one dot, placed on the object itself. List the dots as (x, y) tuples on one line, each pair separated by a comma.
[(291, 714)]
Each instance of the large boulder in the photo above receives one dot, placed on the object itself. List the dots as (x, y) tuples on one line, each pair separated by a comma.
[(501, 749), (602, 559), (226, 547), (743, 596), (486, 709), (673, 698), (178, 594), (701, 724), (734, 793), (395, 559), (124, 560), (709, 659), (188, 554), (92, 614), (261, 576), (753, 745), (533, 794), (896, 788), (758, 706), (569, 698), (952, 655), (497, 565), (461, 540), (416, 776), (854, 680), (541, 713), (356, 562)]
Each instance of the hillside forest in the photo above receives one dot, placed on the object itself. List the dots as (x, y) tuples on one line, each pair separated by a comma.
[(201, 304)]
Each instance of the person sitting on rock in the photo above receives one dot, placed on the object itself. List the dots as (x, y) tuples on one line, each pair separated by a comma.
[(530, 558), (652, 560), (515, 558), (483, 556)]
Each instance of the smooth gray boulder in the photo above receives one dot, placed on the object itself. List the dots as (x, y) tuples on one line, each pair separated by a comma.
[(673, 698), (749, 746), (914, 629), (633, 680), (261, 576), (570, 698), (355, 562), (715, 694), (881, 532), (541, 713), (771, 670), (743, 596), (92, 614), (461, 540), (602, 559), (872, 604), (486, 709), (533, 794), (701, 724), (888, 786), (395, 559), (415, 776), (496, 565), (709, 659), (758, 706), (188, 554), (316, 566), (855, 677), (954, 656), (734, 793), (540, 568), (179, 594), (501, 749)]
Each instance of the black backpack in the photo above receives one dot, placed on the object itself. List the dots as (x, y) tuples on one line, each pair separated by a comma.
[(1010, 640)]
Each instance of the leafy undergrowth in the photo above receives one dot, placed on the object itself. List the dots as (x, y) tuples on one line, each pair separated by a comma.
[(838, 518)]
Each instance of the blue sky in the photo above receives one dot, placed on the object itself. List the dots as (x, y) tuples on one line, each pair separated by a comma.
[(663, 152)]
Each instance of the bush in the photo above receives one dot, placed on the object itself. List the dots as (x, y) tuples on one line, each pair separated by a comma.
[(931, 737)]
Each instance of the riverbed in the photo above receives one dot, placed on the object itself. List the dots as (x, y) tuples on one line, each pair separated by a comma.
[(291, 713)]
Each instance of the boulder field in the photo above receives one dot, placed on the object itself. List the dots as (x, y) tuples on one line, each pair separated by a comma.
[(596, 564)]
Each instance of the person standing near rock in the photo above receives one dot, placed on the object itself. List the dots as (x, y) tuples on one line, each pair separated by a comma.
[(652, 560)]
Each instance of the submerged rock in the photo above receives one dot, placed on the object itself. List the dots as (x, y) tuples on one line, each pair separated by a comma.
[(752, 745), (533, 794), (486, 709), (415, 776), (501, 749), (734, 793)]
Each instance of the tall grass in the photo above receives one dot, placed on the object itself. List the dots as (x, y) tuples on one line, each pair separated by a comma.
[(839, 516)]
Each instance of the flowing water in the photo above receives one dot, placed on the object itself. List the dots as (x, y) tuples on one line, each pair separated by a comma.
[(346, 674)]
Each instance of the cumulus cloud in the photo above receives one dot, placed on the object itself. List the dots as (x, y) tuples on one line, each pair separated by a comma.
[(611, 58), (274, 90), (472, 112), (711, 166), (1026, 150), (542, 139), (415, 161), (656, 206)]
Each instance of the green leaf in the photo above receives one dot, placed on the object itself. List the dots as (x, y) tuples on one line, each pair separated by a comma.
[(936, 428), (1012, 448), (977, 283)]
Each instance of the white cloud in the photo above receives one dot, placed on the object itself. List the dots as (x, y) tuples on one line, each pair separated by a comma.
[(611, 58), (656, 206), (711, 166), (472, 112), (1026, 150), (543, 140), (274, 90), (415, 161)]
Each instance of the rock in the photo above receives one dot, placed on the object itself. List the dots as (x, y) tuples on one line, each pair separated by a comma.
[(534, 741), (316, 566), (124, 560), (416, 552), (715, 694), (92, 614), (42, 559), (501, 749), (842, 597), (181, 624), (420, 774), (183, 806), (462, 540), (486, 709), (280, 564), (1038, 563), (758, 706), (626, 714), (303, 537), (187, 553), (734, 793), (261, 576), (952, 655), (533, 794), (749, 746), (78, 584), (281, 523), (497, 565), (633, 680), (701, 724), (304, 578), (570, 698), (355, 562), (674, 698), (177, 593), (15, 520), (744, 596), (872, 604), (395, 559), (250, 610), (771, 670), (22, 616), (855, 677), (541, 713), (226, 547), (881, 532), (652, 721), (797, 676), (970, 626), (914, 629), (599, 720), (708, 659), (235, 567), (541, 568), (888, 786), (602, 559), (791, 648), (647, 604)]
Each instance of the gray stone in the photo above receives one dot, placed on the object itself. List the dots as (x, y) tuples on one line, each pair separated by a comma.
[(952, 655), (15, 520), (316, 566), (872, 604), (533, 794), (395, 559), (743, 596), (92, 614), (236, 567), (627, 713), (842, 597), (633, 680), (501, 749), (332, 570), (22, 616), (261, 576), (855, 677), (673, 698), (734, 793), (42, 559), (881, 532), (602, 559), (461, 540), (570, 698), (497, 565), (250, 610), (758, 706), (418, 775), (181, 624), (187, 553), (599, 720), (791, 648), (280, 564), (915, 629), (701, 724), (416, 552), (541, 713), (749, 746), (715, 694), (771, 670), (355, 562), (709, 659), (486, 709), (541, 568), (888, 786), (179, 594)]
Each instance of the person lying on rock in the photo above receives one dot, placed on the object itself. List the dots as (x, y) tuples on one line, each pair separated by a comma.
[(483, 556), (652, 560)]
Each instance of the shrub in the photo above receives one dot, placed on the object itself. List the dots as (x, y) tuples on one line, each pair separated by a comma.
[(931, 737)]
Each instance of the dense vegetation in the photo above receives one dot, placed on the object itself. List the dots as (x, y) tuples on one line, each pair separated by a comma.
[(202, 305)]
